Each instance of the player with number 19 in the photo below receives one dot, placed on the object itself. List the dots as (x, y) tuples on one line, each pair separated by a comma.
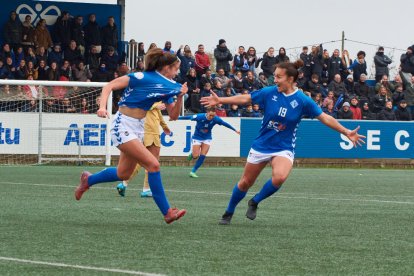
[(284, 106)]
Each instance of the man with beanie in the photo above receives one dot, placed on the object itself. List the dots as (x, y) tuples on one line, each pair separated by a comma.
[(407, 65), (381, 64), (366, 113), (402, 113), (223, 57), (345, 112)]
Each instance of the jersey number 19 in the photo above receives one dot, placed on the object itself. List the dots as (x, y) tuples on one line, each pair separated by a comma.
[(282, 112)]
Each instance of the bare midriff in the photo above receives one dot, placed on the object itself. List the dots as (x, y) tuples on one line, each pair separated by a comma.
[(136, 113)]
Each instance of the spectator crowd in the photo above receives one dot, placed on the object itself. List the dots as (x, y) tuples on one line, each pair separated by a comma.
[(74, 51)]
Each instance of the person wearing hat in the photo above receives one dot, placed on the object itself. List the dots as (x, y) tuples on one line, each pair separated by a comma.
[(223, 57), (407, 64), (381, 62), (345, 112), (366, 113), (387, 114), (350, 84), (402, 113)]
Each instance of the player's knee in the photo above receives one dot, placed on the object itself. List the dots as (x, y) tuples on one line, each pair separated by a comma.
[(279, 179), (154, 167), (195, 156), (124, 175), (245, 183)]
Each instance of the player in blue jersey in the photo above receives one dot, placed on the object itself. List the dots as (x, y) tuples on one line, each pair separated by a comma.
[(201, 139), (284, 106), (142, 90)]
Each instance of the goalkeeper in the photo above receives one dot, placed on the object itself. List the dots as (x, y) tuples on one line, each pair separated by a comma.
[(152, 142)]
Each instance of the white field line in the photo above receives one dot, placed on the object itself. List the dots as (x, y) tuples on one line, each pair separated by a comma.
[(311, 197), (131, 272)]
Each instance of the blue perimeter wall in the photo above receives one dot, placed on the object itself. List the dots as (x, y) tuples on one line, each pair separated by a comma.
[(315, 140)]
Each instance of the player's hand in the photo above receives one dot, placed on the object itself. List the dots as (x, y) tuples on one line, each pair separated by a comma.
[(211, 100), (161, 106), (167, 131), (355, 137), (103, 113), (184, 89), (238, 132)]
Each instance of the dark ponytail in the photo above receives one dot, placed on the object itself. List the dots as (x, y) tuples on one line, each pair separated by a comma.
[(156, 59), (291, 68)]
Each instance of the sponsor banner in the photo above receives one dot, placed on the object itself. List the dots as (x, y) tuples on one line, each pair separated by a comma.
[(73, 134), (314, 140)]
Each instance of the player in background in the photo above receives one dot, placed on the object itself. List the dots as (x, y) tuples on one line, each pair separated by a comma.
[(142, 90), (152, 142), (284, 106), (201, 139)]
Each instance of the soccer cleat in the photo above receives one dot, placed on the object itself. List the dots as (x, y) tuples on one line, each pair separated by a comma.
[(146, 193), (226, 218), (251, 210), (190, 157), (83, 185), (174, 214), (121, 189), (193, 175)]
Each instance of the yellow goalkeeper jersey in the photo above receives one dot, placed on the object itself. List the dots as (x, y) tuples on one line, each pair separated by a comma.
[(153, 120)]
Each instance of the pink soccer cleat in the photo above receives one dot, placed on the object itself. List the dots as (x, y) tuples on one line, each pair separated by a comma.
[(83, 185), (174, 214)]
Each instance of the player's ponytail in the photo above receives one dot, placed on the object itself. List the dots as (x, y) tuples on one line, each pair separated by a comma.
[(291, 68), (156, 59)]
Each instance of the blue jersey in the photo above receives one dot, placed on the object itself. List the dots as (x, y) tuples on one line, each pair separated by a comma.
[(204, 126), (282, 115), (146, 88)]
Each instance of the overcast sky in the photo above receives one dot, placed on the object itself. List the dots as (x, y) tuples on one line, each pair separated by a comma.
[(272, 23)]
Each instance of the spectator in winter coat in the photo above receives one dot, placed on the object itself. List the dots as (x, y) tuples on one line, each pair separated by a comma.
[(338, 86), (380, 100), (329, 109), (6, 52), (42, 35), (202, 61), (111, 59), (77, 34), (55, 55), (248, 112), (9, 69), (402, 113), (92, 34), (350, 84), (346, 63), (356, 111), (41, 54), (62, 29), (381, 64), (94, 59), (220, 111), (167, 47), (237, 82), (256, 111), (222, 78), (409, 94), (335, 65), (366, 113), (362, 90), (13, 30), (252, 59), (72, 53), (307, 59), (262, 79), (223, 57), (407, 64), (206, 78), (345, 112), (317, 60), (187, 60), (398, 95), (234, 111), (314, 86), (301, 82), (101, 75), (21, 71), (387, 114), (53, 73), (240, 61), (28, 32), (250, 83), (282, 57), (359, 66), (82, 73), (109, 34), (384, 82), (42, 71), (268, 65)]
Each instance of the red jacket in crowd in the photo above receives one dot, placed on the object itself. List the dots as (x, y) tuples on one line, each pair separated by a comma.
[(202, 62)]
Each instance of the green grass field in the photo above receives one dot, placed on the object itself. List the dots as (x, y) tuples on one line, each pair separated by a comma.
[(323, 221)]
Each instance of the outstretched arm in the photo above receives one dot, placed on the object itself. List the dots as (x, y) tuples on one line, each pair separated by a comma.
[(334, 124), (174, 108), (223, 123), (213, 100), (189, 117), (116, 84)]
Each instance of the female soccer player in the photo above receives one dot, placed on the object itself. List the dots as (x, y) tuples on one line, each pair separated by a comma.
[(142, 90), (152, 142), (201, 138), (284, 106)]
